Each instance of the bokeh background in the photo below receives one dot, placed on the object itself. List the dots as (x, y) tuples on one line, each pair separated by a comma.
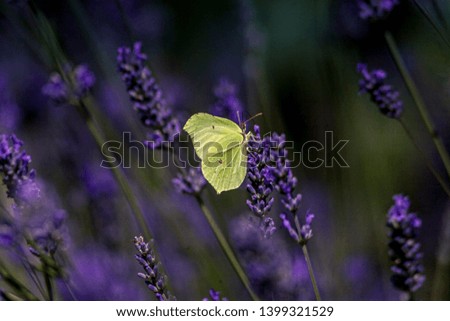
[(295, 61)]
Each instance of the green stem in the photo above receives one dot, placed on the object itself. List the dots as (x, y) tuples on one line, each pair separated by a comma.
[(435, 26), (9, 279), (48, 283), (33, 276), (439, 13), (125, 20), (441, 277), (426, 160), (226, 248), (437, 140), (92, 39), (302, 244), (118, 174)]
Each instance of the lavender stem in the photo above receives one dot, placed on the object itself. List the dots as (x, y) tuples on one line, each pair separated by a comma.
[(437, 140), (426, 160), (429, 18), (441, 277), (15, 284), (226, 248), (125, 20), (302, 244), (48, 283), (118, 174)]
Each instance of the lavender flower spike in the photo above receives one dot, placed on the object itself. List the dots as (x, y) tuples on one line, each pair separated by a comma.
[(80, 82), (285, 183), (215, 296), (404, 249), (387, 99), (375, 9), (259, 180), (147, 96), (34, 216), (155, 281), (14, 166), (192, 182), (227, 103)]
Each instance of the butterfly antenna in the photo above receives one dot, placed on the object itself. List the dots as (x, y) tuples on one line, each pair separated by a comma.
[(253, 117), (238, 116)]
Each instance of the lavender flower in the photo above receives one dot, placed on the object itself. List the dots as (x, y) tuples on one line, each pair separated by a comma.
[(155, 281), (305, 229), (404, 249), (387, 99), (10, 115), (215, 296), (272, 270), (84, 80), (227, 103), (268, 168), (260, 181), (285, 182), (56, 89), (101, 192), (191, 182), (375, 9), (34, 219), (287, 225), (81, 81), (14, 166), (147, 97), (47, 231), (91, 274)]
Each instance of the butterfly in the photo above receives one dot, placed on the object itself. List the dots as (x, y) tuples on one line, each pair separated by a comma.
[(221, 145)]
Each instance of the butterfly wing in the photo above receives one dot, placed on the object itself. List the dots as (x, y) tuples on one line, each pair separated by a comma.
[(211, 133), (220, 144), (226, 171)]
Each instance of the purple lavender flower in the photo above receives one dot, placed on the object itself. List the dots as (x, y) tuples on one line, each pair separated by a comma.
[(191, 182), (375, 9), (287, 225), (91, 274), (6, 233), (272, 270), (56, 89), (10, 115), (285, 182), (14, 166), (147, 96), (260, 181), (84, 80), (227, 103), (102, 199), (386, 98), (36, 220), (306, 230), (81, 81), (268, 168), (155, 281), (47, 231), (404, 249), (215, 296)]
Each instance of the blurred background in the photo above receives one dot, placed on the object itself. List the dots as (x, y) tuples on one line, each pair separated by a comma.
[(295, 61)]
